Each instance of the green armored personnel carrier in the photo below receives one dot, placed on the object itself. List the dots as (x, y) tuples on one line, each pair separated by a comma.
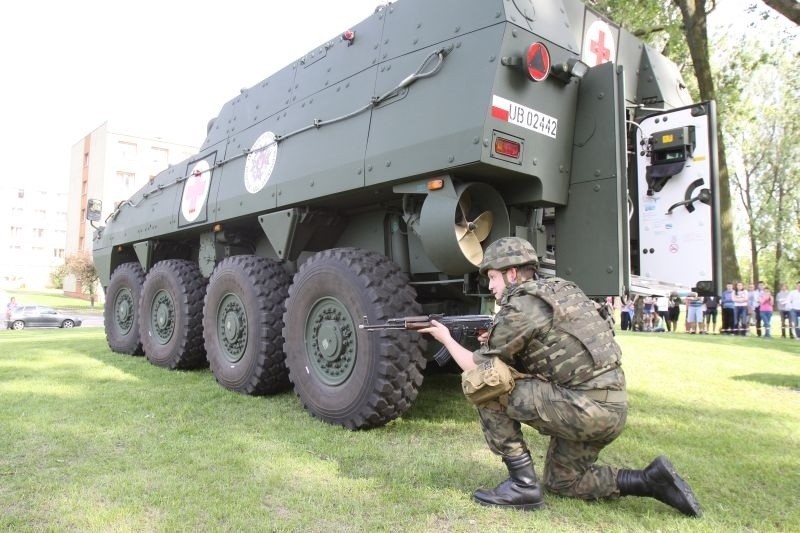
[(363, 181)]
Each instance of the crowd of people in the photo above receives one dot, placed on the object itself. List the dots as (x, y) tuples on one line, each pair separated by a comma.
[(740, 311)]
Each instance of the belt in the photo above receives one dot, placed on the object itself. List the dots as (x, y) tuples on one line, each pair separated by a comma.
[(607, 396)]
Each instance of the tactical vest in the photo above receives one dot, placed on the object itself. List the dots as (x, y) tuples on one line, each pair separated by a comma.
[(574, 316)]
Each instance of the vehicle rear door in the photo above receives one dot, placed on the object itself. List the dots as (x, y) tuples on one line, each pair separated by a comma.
[(678, 201)]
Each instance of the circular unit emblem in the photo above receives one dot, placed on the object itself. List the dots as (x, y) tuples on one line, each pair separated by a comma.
[(195, 191), (260, 162)]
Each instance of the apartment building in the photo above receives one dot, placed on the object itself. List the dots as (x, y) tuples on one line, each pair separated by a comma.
[(33, 219), (110, 164)]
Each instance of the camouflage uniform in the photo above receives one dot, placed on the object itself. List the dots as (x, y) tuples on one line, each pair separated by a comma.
[(570, 350)]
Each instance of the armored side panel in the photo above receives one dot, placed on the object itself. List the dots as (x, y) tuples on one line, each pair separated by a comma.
[(592, 228)]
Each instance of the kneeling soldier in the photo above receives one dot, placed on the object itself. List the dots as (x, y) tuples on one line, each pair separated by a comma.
[(569, 385)]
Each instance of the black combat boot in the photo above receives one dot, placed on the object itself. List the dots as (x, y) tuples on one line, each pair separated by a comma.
[(520, 491), (660, 481)]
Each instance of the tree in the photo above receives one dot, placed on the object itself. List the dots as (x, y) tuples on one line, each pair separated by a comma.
[(82, 267), (57, 276), (695, 25), (765, 119), (788, 8), (680, 35)]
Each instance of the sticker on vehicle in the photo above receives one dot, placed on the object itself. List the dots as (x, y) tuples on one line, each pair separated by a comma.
[(526, 117), (260, 162), (195, 191)]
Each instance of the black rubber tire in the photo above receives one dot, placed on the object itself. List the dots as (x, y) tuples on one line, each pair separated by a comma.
[(126, 283), (258, 287), (18, 325), (178, 286), (68, 324), (385, 371)]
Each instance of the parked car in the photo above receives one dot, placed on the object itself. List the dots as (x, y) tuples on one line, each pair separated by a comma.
[(32, 316)]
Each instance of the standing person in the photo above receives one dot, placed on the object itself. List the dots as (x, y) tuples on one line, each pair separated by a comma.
[(765, 310), (638, 313), (11, 306), (710, 314), (626, 312), (784, 309), (740, 299), (674, 308), (757, 305), (794, 310), (726, 301), (662, 308), (573, 390), (649, 312), (694, 313)]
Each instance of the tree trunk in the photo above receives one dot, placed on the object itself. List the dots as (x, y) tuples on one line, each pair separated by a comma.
[(788, 8), (695, 23)]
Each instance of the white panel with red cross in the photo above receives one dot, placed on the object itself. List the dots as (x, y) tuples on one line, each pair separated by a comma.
[(195, 191), (599, 42)]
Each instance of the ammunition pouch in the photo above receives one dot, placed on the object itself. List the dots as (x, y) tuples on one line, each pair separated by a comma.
[(489, 381)]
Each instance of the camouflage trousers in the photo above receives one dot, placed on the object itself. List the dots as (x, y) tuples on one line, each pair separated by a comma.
[(578, 428)]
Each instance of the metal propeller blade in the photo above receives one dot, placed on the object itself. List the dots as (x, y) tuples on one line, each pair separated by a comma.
[(470, 234), (471, 248)]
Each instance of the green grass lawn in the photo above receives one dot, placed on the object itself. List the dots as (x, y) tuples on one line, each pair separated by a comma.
[(53, 298), (92, 440)]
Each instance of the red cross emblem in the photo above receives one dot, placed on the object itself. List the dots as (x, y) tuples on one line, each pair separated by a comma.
[(598, 44), (598, 48), (195, 191)]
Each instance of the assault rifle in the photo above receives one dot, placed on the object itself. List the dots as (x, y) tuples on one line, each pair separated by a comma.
[(459, 326)]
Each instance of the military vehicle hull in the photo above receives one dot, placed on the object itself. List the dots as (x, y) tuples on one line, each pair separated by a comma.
[(363, 180)]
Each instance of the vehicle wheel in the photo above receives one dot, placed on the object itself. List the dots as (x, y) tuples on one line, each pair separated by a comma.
[(67, 324), (243, 322), (344, 375), (170, 320), (121, 312), (18, 325)]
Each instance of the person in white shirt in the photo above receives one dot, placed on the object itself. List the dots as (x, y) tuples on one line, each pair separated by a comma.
[(794, 310), (662, 304)]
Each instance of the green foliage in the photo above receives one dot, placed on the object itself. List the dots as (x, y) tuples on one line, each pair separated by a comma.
[(659, 25), (57, 276), (761, 113), (82, 267), (94, 441)]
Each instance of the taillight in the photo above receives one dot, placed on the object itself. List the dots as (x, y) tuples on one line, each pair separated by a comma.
[(507, 147)]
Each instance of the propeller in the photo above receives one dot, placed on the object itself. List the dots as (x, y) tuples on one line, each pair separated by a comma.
[(470, 233)]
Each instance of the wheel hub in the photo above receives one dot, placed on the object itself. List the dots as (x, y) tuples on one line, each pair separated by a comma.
[(163, 317), (232, 327), (123, 305), (331, 341)]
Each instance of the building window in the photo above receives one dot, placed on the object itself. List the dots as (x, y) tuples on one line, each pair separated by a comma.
[(21, 193), (16, 232), (86, 160), (58, 253), (127, 150), (126, 179), (38, 233), (160, 156)]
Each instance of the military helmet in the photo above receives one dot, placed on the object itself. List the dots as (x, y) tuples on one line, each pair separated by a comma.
[(508, 252)]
